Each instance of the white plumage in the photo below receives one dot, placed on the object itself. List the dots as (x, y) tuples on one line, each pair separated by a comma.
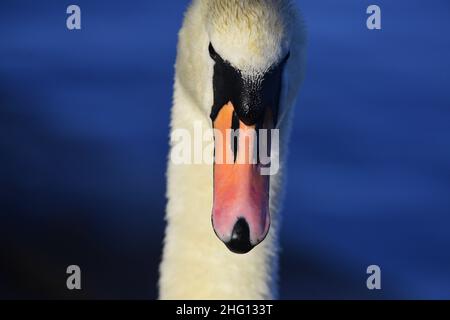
[(252, 35)]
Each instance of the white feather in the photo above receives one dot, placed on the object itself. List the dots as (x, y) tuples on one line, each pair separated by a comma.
[(252, 35)]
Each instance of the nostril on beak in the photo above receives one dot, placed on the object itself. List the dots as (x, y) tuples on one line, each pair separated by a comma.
[(240, 237)]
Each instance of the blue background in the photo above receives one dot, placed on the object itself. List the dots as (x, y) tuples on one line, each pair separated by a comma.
[(83, 145)]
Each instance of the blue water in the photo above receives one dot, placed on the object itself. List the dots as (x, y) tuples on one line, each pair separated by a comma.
[(83, 146)]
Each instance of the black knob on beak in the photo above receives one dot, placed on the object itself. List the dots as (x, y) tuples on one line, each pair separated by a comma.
[(240, 238)]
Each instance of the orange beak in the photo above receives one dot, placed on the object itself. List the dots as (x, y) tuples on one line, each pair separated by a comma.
[(240, 214), (243, 105)]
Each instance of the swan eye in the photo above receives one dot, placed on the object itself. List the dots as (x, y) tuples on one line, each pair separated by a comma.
[(280, 64), (286, 58), (213, 54)]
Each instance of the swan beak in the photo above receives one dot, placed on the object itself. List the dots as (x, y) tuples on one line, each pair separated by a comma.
[(240, 214)]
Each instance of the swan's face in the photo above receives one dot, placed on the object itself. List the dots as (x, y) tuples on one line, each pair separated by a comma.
[(249, 45)]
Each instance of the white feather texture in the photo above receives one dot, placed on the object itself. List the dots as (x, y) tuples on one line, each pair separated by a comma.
[(252, 35)]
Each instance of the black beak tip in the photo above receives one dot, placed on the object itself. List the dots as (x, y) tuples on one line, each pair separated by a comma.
[(240, 238)]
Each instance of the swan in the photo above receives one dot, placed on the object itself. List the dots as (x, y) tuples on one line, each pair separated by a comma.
[(239, 63)]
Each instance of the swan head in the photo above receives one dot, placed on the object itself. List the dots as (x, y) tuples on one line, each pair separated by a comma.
[(252, 35), (249, 45)]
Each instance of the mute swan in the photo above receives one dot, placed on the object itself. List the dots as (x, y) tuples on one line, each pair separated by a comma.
[(235, 58)]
